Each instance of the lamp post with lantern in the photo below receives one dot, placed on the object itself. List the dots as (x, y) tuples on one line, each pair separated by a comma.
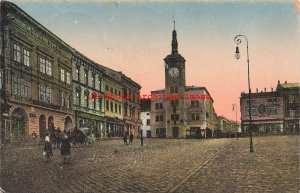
[(238, 40)]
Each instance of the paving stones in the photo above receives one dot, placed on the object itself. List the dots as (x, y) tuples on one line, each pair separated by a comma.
[(211, 165)]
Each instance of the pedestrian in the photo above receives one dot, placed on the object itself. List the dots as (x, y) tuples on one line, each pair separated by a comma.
[(65, 149), (33, 136), (48, 149), (130, 138), (125, 139)]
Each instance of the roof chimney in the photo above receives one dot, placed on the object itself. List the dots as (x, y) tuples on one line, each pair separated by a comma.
[(278, 81), (272, 89), (285, 82), (256, 90), (265, 90)]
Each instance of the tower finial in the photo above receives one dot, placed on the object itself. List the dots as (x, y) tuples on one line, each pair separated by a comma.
[(174, 21), (174, 39)]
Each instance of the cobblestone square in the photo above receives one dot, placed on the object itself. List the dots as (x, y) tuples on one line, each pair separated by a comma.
[(161, 165)]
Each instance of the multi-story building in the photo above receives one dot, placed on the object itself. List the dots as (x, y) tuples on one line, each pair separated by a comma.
[(145, 117), (290, 93), (181, 111), (228, 126), (131, 105), (36, 71), (88, 95), (113, 103), (272, 112), (45, 83)]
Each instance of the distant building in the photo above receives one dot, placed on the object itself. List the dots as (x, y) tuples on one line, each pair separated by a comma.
[(181, 111), (227, 125), (145, 117), (272, 112)]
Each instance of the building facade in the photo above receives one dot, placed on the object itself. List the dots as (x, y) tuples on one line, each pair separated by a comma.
[(131, 106), (181, 111), (272, 112), (47, 84), (145, 117), (36, 71), (88, 95)]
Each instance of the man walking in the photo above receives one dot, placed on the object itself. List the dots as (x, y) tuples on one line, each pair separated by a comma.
[(130, 138)]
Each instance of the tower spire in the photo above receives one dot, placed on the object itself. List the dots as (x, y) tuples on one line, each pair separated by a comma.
[(174, 40)]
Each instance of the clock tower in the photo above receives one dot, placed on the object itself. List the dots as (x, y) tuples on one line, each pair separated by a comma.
[(174, 86)]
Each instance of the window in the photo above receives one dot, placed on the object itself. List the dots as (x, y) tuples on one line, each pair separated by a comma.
[(42, 65), (68, 101), (86, 99), (272, 110), (48, 95), (107, 105), (99, 84), (26, 57), (21, 87), (159, 106), (291, 98), (77, 77), (125, 110), (173, 90), (45, 94), (293, 113), (253, 111), (17, 53), (42, 93), (62, 75), (148, 122), (195, 103), (106, 88), (1, 79), (158, 118), (120, 108), (116, 108), (174, 102), (195, 117), (94, 81), (45, 66), (94, 104), (86, 76), (175, 117), (48, 68), (77, 102), (111, 106), (62, 99), (111, 90), (68, 78), (100, 104)]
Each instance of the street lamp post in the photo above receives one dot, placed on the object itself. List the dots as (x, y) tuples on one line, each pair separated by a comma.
[(234, 105), (238, 40)]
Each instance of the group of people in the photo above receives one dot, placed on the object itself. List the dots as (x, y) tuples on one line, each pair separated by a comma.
[(125, 138), (65, 148)]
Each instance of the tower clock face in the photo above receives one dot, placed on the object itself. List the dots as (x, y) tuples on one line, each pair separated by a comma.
[(173, 72)]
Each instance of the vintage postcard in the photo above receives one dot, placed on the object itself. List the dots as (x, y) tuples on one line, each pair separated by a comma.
[(149, 96)]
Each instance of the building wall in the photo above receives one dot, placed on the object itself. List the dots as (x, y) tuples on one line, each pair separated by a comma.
[(272, 111), (27, 43), (145, 118), (131, 106)]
